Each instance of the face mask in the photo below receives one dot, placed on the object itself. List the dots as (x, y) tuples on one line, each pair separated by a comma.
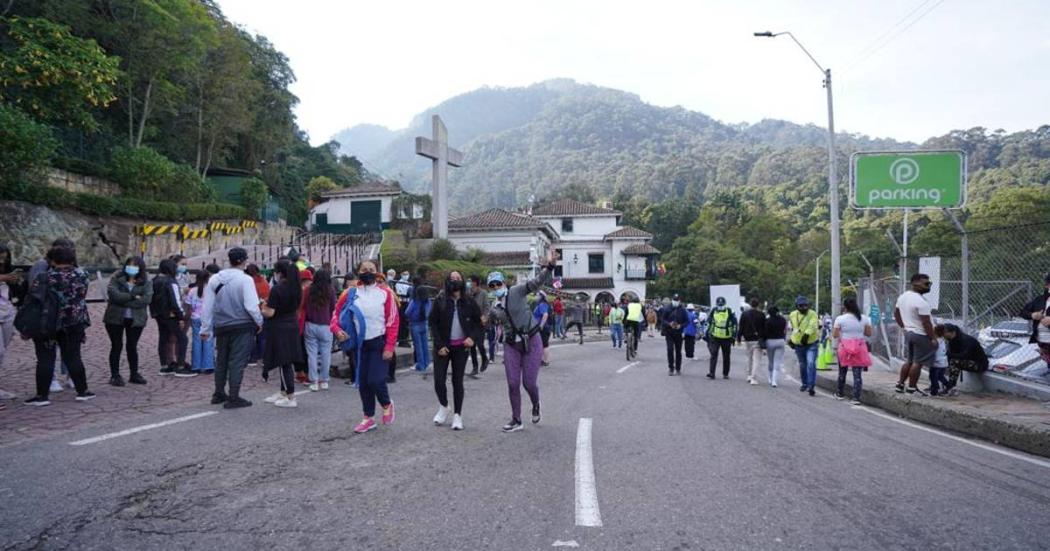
[(181, 269), (132, 271), (674, 303), (469, 285), (455, 286), (404, 277), (367, 278), (501, 292)]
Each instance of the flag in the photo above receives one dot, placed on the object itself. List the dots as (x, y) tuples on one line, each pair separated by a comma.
[(662, 268), (557, 283)]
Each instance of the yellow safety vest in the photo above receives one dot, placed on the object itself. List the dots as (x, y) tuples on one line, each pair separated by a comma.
[(720, 324), (804, 325), (634, 311)]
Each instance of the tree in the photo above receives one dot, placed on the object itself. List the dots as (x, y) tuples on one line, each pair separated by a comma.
[(319, 185), (55, 76), (25, 145), (253, 195)]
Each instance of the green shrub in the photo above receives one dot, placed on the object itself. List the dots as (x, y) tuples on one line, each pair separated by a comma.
[(185, 182), (140, 171), (26, 146), (253, 194), (443, 249)]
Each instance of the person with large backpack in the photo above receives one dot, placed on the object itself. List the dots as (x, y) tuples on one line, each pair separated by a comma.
[(166, 309), (365, 323), (56, 315), (418, 312)]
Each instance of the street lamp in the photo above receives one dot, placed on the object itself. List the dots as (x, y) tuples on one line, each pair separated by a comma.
[(816, 282), (833, 193)]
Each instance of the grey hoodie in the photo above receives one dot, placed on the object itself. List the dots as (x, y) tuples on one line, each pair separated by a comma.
[(235, 306), (516, 305)]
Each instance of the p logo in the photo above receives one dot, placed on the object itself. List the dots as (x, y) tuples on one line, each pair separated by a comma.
[(904, 171)]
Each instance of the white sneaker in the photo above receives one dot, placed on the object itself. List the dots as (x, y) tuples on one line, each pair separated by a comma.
[(774, 385), (56, 386), (314, 387), (5, 395), (286, 403), (274, 397), (752, 381), (442, 416), (457, 422), (324, 385)]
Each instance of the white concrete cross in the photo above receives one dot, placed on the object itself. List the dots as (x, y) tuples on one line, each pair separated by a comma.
[(443, 156)]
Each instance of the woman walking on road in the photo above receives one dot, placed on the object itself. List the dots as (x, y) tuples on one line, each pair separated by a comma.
[(318, 303), (455, 322), (129, 295), (373, 309), (776, 342), (282, 332), (852, 331)]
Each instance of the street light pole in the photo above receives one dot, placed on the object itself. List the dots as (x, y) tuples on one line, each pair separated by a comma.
[(816, 282), (833, 185)]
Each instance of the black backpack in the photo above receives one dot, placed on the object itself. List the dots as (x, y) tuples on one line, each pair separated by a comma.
[(38, 316)]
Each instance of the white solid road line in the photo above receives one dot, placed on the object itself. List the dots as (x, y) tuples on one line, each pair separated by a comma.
[(626, 367), (989, 447), (587, 513), (133, 430)]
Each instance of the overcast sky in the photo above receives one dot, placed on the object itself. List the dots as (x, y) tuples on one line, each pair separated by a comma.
[(965, 63)]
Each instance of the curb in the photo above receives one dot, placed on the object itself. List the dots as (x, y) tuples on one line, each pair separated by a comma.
[(1028, 437)]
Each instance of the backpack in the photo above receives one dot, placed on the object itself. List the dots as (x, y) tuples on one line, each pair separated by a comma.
[(38, 316)]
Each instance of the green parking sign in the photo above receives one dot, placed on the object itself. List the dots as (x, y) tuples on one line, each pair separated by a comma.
[(908, 179)]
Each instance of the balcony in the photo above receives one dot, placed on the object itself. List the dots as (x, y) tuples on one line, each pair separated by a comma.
[(637, 274)]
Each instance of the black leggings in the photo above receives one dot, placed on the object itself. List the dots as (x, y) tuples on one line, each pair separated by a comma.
[(287, 378), (169, 329), (116, 338), (457, 355), (474, 355), (68, 341), (579, 327)]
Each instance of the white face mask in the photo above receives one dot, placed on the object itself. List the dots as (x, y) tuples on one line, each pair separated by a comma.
[(674, 303)]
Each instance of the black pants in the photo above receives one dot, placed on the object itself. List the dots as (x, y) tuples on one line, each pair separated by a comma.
[(287, 378), (716, 345), (636, 329), (232, 351), (116, 342), (168, 330), (579, 327), (474, 351), (690, 346), (674, 350), (68, 342), (457, 356)]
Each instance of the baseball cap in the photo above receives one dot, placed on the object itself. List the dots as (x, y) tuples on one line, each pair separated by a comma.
[(801, 300), (237, 255), (494, 277), (690, 306)]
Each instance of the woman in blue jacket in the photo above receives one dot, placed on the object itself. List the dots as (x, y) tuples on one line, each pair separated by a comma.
[(418, 312)]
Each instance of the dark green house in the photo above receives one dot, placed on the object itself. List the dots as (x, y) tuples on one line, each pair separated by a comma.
[(366, 208)]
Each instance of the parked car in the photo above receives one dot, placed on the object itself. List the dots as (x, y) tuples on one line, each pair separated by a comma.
[(1002, 347), (1008, 329), (1024, 360)]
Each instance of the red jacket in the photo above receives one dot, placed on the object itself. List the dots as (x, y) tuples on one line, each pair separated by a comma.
[(390, 316)]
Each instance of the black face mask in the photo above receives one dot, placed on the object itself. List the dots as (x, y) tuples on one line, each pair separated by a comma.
[(367, 278), (455, 286)]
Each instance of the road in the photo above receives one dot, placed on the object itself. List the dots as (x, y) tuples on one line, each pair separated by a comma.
[(678, 463)]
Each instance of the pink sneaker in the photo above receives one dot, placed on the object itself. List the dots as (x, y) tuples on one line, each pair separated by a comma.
[(365, 425), (388, 414)]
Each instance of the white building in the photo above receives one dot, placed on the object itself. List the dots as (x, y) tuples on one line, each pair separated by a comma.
[(597, 256), (366, 208)]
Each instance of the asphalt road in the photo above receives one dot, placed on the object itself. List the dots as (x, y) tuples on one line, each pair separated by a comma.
[(678, 463)]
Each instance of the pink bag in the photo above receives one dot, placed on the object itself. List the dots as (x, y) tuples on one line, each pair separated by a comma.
[(854, 353)]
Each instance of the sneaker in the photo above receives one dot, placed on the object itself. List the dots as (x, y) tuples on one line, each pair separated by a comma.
[(899, 387), (457, 422), (388, 414), (314, 387), (803, 388), (678, 372), (773, 385), (513, 426), (752, 381), (116, 380), (274, 397), (951, 392), (670, 372), (37, 401), (854, 402), (5, 395), (812, 392), (915, 390), (56, 386), (725, 376), (184, 372), (442, 416), (170, 369), (839, 396), (365, 425), (234, 403), (218, 399), (535, 413), (136, 379), (85, 396), (710, 375), (324, 385), (484, 365), (286, 403)]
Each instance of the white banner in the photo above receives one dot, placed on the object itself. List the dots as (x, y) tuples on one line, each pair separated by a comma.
[(732, 295), (931, 266)]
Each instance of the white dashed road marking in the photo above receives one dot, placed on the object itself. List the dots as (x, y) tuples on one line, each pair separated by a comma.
[(587, 513), (133, 430), (626, 367)]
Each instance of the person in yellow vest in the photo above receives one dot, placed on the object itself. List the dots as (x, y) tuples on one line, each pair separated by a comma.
[(805, 339), (633, 321), (721, 332)]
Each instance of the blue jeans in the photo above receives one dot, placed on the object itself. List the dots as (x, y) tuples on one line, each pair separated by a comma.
[(559, 325), (490, 335), (371, 379), (318, 340), (420, 346), (616, 330), (203, 352), (807, 363)]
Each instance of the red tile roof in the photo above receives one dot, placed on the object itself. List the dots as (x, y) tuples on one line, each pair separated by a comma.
[(495, 219), (364, 190), (640, 249), (629, 232), (569, 207)]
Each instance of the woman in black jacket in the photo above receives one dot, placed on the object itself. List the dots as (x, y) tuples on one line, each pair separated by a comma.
[(283, 347), (965, 353), (455, 323), (166, 308)]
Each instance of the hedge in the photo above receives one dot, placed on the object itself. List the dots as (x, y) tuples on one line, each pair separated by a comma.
[(119, 206)]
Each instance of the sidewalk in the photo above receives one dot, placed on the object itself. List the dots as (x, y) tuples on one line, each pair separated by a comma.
[(1012, 421)]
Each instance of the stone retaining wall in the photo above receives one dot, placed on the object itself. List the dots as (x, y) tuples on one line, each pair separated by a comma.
[(78, 183)]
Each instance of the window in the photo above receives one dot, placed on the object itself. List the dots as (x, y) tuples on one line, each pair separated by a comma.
[(566, 225), (558, 271), (596, 263), (558, 252)]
